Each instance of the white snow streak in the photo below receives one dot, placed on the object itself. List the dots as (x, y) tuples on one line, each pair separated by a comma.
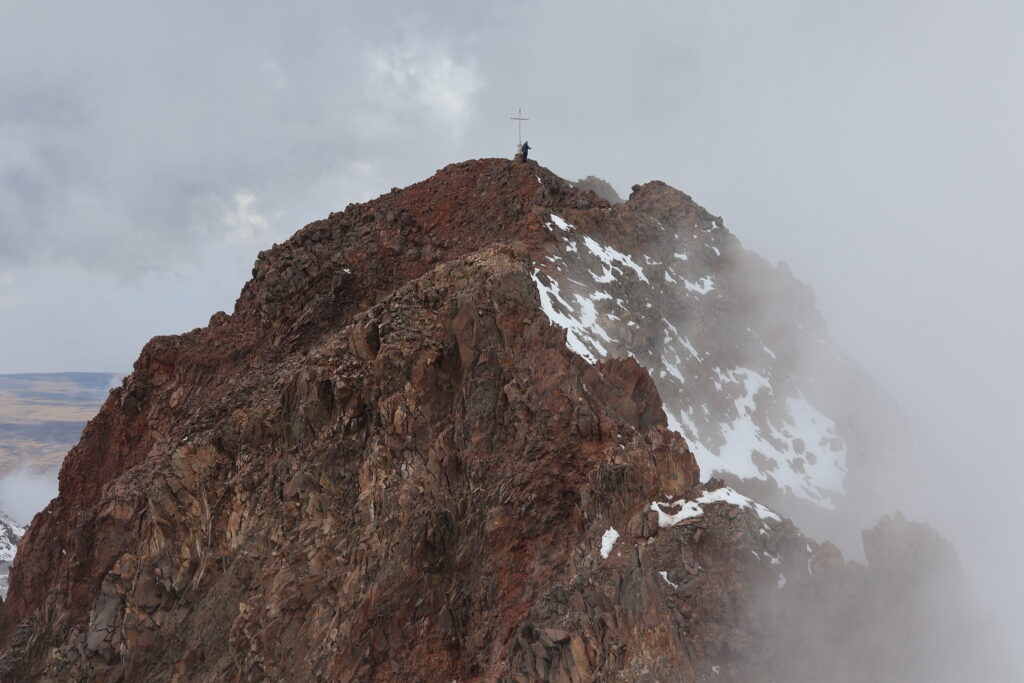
[(609, 256), (691, 509), (701, 286)]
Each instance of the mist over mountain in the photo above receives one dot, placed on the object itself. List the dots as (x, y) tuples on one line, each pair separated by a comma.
[(494, 427)]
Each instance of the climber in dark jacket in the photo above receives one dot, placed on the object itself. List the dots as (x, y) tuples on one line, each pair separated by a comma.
[(524, 150)]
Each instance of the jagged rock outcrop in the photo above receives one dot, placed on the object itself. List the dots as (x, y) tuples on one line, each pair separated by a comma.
[(602, 188), (388, 464)]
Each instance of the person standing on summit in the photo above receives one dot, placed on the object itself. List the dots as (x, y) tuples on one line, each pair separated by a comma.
[(524, 150)]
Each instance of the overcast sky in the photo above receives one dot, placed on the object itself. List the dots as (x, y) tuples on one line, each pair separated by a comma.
[(146, 155)]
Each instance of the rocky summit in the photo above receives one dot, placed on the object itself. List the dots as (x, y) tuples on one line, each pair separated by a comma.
[(467, 432)]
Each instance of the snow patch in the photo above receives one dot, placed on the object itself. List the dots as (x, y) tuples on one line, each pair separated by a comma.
[(608, 541), (688, 509), (728, 495), (610, 256), (691, 509), (802, 454), (562, 223), (582, 329), (701, 286)]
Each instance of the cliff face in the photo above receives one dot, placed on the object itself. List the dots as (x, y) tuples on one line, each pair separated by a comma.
[(389, 464)]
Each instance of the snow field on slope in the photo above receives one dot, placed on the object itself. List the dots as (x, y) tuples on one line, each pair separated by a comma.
[(803, 454), (799, 451)]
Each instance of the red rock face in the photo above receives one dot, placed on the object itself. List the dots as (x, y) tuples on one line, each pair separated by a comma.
[(387, 465)]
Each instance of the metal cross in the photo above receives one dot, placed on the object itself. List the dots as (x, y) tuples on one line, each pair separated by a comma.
[(520, 119)]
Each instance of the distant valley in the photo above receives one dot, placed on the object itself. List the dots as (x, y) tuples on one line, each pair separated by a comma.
[(42, 415)]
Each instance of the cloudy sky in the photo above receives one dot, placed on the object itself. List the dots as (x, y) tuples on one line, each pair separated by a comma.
[(146, 155)]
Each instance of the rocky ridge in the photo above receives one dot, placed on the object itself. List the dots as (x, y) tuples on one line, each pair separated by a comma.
[(736, 346), (602, 188), (388, 464)]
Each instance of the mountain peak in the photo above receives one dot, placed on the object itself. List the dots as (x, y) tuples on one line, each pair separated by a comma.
[(458, 432)]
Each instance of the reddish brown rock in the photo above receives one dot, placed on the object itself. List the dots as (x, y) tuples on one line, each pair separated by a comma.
[(386, 465)]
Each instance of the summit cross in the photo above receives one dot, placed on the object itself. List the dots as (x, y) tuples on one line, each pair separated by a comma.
[(520, 119)]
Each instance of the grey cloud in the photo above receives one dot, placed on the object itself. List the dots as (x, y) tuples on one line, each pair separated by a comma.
[(171, 114)]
